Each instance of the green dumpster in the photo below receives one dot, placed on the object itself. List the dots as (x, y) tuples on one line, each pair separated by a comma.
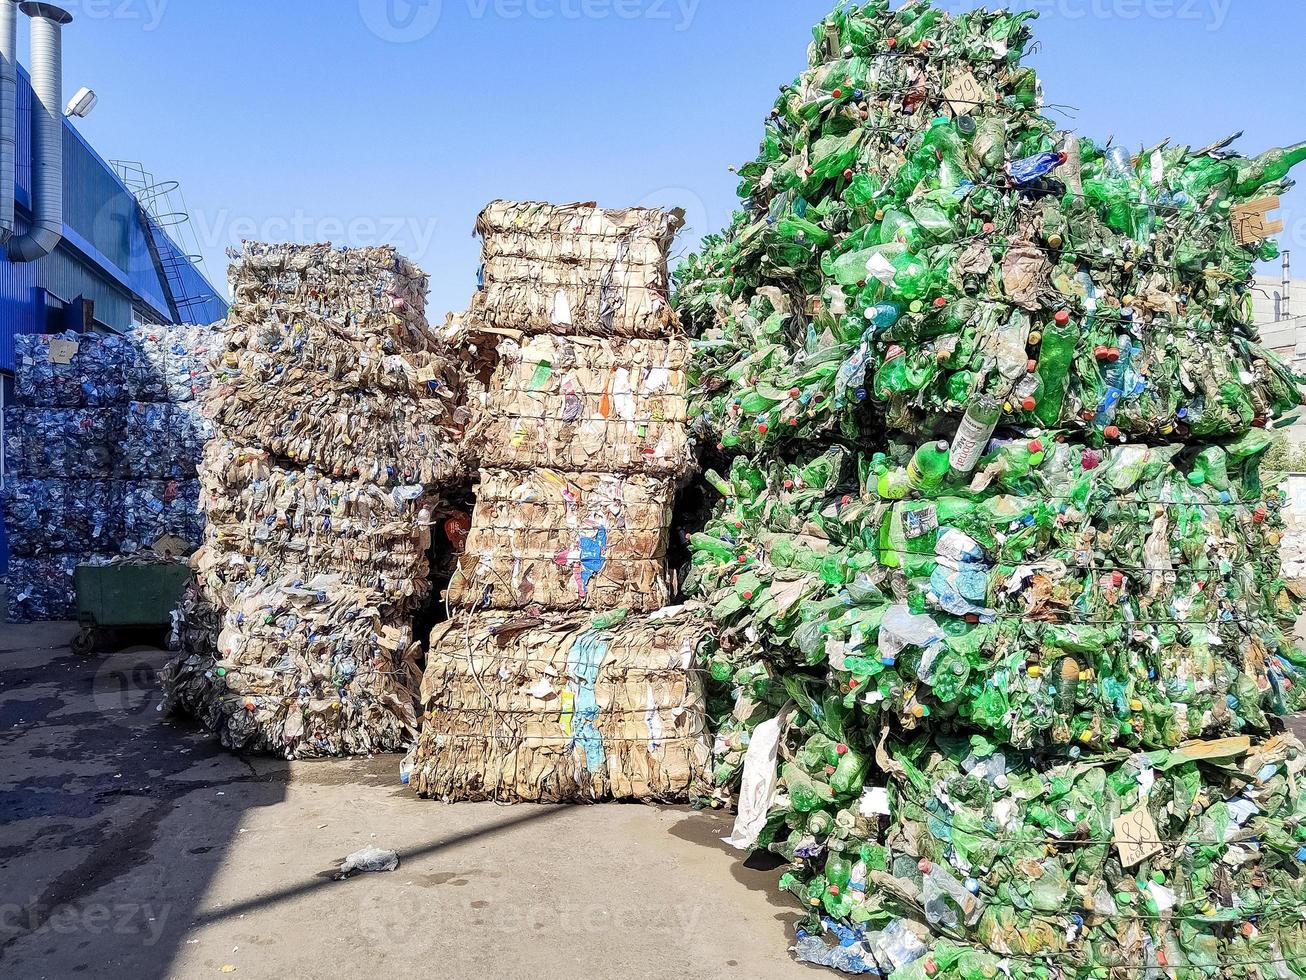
[(126, 596)]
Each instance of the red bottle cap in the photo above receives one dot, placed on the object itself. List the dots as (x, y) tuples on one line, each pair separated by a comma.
[(989, 227), (1112, 432), (1028, 404), (892, 42), (1036, 446), (847, 500), (841, 749), (794, 393), (834, 890), (849, 174), (789, 484), (941, 302), (1062, 317), (1031, 366), (1101, 352), (1088, 415), (1113, 354), (748, 594), (837, 93), (763, 428)]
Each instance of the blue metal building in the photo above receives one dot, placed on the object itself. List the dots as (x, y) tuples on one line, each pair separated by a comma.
[(113, 265)]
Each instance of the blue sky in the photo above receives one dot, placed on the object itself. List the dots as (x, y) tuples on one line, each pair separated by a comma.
[(374, 119)]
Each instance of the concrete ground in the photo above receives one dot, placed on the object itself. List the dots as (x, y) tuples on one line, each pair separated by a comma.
[(133, 846)]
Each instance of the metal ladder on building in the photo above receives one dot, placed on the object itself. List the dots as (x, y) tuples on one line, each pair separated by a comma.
[(164, 216)]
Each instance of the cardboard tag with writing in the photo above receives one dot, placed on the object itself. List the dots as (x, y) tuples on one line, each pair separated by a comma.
[(1136, 837), (964, 94), (63, 351), (1251, 222)]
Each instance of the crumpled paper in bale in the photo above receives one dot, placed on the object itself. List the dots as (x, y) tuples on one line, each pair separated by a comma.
[(345, 432), (565, 710), (327, 359), (363, 292), (583, 403), (265, 519), (567, 541), (304, 670), (576, 269)]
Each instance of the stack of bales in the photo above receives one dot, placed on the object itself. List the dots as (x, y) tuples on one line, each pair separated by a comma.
[(337, 427), (582, 438), (101, 453)]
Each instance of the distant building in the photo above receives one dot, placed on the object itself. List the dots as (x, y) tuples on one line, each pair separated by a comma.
[(1280, 307)]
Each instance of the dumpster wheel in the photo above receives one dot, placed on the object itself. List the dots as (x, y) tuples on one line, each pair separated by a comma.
[(83, 644)]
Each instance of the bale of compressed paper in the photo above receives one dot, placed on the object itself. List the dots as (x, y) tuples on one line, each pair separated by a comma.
[(265, 519), (563, 711), (362, 293), (301, 670), (327, 359), (576, 269), (567, 541), (580, 403)]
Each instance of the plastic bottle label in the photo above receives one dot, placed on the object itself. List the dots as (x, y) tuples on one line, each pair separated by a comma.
[(972, 436)]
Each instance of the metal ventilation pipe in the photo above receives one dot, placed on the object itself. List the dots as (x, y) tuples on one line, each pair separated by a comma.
[(1287, 286), (48, 22), (8, 115)]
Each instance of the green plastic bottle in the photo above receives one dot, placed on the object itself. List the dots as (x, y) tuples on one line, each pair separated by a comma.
[(929, 467), (1056, 356)]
